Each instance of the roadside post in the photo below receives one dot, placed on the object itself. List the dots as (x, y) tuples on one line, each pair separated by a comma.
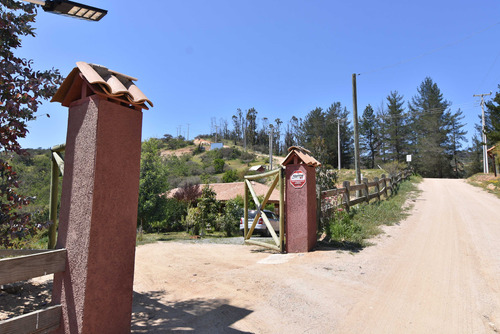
[(300, 199), (98, 216)]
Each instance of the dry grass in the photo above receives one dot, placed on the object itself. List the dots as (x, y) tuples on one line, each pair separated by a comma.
[(486, 181)]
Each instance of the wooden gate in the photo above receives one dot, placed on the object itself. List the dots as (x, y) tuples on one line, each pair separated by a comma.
[(278, 241)]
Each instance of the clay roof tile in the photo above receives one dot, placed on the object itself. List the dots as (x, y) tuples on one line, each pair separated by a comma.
[(102, 81)]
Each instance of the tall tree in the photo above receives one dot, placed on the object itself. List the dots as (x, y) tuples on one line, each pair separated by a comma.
[(21, 91), (277, 136), (153, 181), (492, 118), (370, 139), (382, 115), (251, 126), (319, 124), (429, 124), (395, 127)]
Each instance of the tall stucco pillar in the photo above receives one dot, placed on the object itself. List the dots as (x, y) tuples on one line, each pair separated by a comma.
[(98, 216)]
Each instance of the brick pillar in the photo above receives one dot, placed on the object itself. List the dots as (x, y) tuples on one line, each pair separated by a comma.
[(301, 225), (98, 216)]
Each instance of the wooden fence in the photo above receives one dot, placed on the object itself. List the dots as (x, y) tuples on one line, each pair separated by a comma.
[(355, 194), (28, 264)]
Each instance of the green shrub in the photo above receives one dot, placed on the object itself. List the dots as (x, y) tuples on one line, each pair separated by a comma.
[(230, 175), (228, 220), (219, 165)]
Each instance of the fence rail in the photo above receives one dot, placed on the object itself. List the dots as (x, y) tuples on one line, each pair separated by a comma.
[(361, 192), (25, 267)]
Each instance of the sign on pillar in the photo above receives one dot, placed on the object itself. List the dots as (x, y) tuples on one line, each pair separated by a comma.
[(301, 225)]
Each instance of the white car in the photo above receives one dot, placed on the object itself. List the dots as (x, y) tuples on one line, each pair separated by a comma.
[(261, 226)]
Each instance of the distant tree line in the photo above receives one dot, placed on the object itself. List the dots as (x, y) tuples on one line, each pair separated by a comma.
[(425, 127)]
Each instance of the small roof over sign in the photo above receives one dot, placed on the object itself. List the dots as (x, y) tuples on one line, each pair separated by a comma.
[(304, 155), (102, 81)]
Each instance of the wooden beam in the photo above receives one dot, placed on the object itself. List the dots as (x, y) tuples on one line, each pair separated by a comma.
[(263, 244), (35, 322), (260, 176), (25, 267), (19, 252)]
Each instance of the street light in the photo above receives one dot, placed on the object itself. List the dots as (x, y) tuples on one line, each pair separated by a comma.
[(70, 8)]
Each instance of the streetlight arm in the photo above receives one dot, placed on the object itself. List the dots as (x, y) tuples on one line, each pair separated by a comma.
[(70, 8)]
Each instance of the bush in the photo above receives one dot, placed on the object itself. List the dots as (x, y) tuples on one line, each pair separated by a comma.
[(394, 167), (230, 175), (219, 165), (343, 229), (228, 221)]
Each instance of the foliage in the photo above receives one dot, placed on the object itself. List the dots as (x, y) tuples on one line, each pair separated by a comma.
[(21, 90), (153, 182), (206, 214), (352, 229), (319, 133), (456, 135), (369, 136), (172, 143), (492, 118), (396, 128), (430, 120), (188, 193), (230, 175), (228, 220), (175, 211), (219, 165), (393, 168)]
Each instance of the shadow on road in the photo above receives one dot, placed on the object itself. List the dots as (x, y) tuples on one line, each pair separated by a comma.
[(151, 314)]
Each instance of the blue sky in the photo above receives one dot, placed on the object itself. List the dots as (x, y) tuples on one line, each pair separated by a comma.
[(201, 59)]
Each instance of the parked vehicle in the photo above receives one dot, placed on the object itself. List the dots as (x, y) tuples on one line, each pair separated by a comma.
[(261, 227)]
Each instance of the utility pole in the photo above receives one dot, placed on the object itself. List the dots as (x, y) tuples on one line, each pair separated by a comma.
[(485, 146), (356, 130), (188, 132), (338, 141), (271, 137)]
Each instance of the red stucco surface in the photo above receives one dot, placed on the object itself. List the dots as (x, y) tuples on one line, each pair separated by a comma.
[(301, 223), (98, 217)]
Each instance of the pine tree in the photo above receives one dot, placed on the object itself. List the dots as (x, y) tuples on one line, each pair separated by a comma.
[(456, 136), (369, 131), (492, 119), (395, 125), (429, 127)]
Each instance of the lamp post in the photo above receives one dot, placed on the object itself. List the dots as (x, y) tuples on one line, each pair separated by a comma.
[(70, 8)]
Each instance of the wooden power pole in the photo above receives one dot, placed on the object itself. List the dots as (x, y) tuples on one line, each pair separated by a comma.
[(356, 129)]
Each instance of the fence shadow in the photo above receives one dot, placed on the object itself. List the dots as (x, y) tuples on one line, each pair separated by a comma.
[(150, 314), (24, 297)]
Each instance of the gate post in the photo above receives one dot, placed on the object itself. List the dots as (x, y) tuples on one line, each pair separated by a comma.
[(98, 217), (301, 225)]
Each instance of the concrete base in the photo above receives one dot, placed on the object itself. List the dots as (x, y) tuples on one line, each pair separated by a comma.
[(98, 217), (301, 226)]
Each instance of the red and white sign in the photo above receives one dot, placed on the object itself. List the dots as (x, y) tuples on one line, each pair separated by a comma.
[(298, 179)]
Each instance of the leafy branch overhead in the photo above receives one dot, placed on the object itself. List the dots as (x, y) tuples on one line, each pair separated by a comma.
[(22, 89)]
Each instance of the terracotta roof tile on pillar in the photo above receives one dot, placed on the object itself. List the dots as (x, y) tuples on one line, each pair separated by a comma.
[(101, 81), (304, 156)]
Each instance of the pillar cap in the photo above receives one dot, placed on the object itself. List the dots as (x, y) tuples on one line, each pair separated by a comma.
[(101, 81), (300, 155)]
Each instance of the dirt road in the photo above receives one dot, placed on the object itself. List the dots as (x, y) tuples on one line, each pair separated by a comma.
[(437, 272)]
